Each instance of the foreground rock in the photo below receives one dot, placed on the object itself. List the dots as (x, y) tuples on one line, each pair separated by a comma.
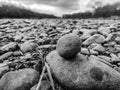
[(19, 80), (83, 74)]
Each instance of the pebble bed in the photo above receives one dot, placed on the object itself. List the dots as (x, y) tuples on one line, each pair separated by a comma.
[(26, 42)]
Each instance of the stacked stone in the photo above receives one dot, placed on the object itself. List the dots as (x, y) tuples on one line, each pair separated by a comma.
[(76, 71)]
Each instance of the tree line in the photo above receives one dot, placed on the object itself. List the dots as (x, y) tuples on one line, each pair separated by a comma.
[(9, 11), (106, 11)]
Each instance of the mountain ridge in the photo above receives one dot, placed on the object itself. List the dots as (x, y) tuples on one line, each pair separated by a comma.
[(12, 11)]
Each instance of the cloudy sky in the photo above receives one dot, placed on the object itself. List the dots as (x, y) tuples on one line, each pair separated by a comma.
[(59, 7)]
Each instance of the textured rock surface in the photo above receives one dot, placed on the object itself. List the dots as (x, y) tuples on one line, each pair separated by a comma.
[(68, 46), (5, 56), (97, 47), (28, 46), (97, 38), (3, 70), (83, 74), (44, 86), (46, 32), (19, 80), (10, 47)]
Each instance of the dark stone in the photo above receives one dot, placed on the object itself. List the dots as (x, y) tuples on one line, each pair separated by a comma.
[(68, 46), (96, 74)]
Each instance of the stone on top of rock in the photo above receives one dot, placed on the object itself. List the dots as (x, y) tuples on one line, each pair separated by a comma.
[(68, 46), (82, 73)]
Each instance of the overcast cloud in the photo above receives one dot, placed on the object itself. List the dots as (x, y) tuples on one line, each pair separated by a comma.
[(59, 7)]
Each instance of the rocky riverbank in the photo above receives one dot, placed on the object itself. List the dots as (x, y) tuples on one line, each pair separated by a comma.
[(25, 43)]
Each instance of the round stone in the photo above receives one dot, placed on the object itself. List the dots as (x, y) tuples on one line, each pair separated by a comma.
[(68, 46)]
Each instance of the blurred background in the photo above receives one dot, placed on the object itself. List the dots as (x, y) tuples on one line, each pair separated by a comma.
[(59, 8)]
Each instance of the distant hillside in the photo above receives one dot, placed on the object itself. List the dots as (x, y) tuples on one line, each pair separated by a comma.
[(10, 11), (106, 11)]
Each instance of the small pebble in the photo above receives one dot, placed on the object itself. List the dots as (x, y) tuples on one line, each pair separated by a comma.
[(28, 46)]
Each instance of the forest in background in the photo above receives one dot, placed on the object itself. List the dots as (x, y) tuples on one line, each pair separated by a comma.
[(11, 11)]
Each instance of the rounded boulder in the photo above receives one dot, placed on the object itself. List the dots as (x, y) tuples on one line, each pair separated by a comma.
[(19, 80), (82, 73), (68, 46)]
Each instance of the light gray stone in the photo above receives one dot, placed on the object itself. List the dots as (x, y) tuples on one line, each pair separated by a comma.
[(97, 38), (19, 80), (28, 46), (82, 73)]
